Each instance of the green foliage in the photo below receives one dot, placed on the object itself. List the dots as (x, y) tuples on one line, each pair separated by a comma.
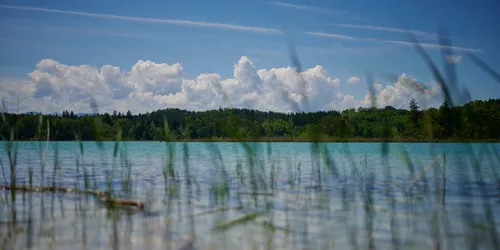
[(474, 120)]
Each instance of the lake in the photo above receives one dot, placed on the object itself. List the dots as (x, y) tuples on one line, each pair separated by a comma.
[(254, 196)]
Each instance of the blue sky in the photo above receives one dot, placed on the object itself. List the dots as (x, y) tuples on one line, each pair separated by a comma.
[(234, 40)]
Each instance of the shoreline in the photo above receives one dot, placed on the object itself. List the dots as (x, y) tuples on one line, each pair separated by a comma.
[(308, 140)]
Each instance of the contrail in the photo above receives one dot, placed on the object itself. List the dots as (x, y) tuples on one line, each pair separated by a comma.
[(425, 45), (381, 28), (149, 20)]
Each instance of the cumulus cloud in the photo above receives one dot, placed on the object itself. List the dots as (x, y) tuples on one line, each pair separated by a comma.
[(399, 93), (148, 86), (396, 94), (354, 80)]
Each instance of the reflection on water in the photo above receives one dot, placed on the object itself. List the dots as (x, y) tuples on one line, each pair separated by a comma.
[(265, 196)]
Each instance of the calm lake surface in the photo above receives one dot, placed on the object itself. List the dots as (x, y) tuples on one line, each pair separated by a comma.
[(254, 196)]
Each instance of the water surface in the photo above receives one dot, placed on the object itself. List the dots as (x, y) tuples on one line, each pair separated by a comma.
[(285, 195)]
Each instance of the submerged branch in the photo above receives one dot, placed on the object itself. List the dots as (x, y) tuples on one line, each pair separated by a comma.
[(422, 173), (104, 196)]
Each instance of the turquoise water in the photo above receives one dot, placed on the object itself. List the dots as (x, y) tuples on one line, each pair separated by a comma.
[(342, 195)]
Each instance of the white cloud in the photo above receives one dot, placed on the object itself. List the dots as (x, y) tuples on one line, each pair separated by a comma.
[(399, 93), (148, 20), (395, 94), (453, 58), (378, 86), (353, 80), (149, 86), (347, 102)]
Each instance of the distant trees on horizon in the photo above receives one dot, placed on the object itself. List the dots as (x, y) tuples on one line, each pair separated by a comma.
[(474, 120)]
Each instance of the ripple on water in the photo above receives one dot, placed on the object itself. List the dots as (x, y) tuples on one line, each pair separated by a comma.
[(363, 201)]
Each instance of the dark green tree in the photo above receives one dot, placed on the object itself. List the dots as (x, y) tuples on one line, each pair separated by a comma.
[(415, 118), (474, 120)]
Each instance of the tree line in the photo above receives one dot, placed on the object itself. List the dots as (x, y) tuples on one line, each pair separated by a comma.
[(475, 120)]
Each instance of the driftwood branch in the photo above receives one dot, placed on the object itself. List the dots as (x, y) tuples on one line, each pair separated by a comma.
[(423, 173), (103, 196)]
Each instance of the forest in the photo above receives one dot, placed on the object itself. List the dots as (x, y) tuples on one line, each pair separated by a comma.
[(477, 120)]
